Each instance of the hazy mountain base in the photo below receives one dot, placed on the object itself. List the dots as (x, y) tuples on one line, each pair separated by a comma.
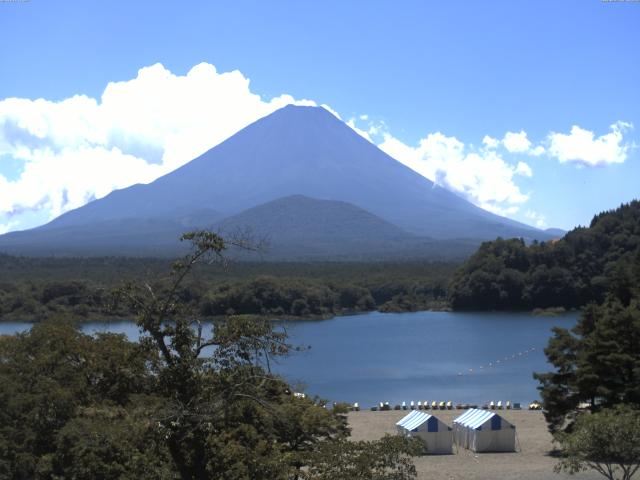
[(294, 228)]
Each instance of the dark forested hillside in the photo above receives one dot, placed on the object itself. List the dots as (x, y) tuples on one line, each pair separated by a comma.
[(570, 272)]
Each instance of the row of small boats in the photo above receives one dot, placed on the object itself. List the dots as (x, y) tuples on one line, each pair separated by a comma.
[(434, 405), (442, 405)]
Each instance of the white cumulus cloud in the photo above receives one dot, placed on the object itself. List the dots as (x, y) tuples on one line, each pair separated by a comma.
[(490, 142), (537, 218), (516, 142), (482, 176), (584, 148), (524, 169), (81, 148), (363, 133)]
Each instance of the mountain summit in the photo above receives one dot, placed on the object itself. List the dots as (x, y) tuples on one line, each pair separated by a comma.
[(294, 151)]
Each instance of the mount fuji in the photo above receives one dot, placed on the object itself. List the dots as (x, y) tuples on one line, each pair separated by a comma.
[(300, 160)]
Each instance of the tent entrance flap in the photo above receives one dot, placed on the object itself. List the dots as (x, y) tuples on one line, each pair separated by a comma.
[(496, 423), (432, 424)]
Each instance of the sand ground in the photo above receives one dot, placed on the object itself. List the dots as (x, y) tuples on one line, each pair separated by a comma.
[(532, 462)]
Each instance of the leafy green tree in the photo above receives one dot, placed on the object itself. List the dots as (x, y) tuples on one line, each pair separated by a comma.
[(386, 459), (108, 442), (607, 442), (218, 409), (51, 373)]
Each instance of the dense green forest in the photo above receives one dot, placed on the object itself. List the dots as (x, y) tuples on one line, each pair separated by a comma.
[(571, 272), (34, 288), (501, 275)]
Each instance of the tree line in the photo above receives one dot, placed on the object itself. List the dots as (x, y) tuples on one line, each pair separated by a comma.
[(32, 289)]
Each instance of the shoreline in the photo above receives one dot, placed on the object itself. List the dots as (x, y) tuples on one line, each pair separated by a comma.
[(536, 312)]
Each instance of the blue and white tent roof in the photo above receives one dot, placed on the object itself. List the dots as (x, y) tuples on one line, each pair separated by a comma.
[(475, 418), (414, 420)]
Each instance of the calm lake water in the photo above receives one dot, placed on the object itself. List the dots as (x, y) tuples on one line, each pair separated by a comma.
[(399, 357)]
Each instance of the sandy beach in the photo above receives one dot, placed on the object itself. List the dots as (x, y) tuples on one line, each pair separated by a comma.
[(532, 462)]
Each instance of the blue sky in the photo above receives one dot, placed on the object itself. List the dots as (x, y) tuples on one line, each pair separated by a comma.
[(530, 109)]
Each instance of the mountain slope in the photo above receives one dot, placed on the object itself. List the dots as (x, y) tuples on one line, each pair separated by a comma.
[(292, 228), (127, 236), (556, 232)]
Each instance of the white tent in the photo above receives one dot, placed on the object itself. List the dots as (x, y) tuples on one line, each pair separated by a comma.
[(436, 434), (484, 431)]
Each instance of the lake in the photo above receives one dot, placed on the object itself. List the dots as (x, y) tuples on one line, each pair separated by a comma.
[(395, 357)]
